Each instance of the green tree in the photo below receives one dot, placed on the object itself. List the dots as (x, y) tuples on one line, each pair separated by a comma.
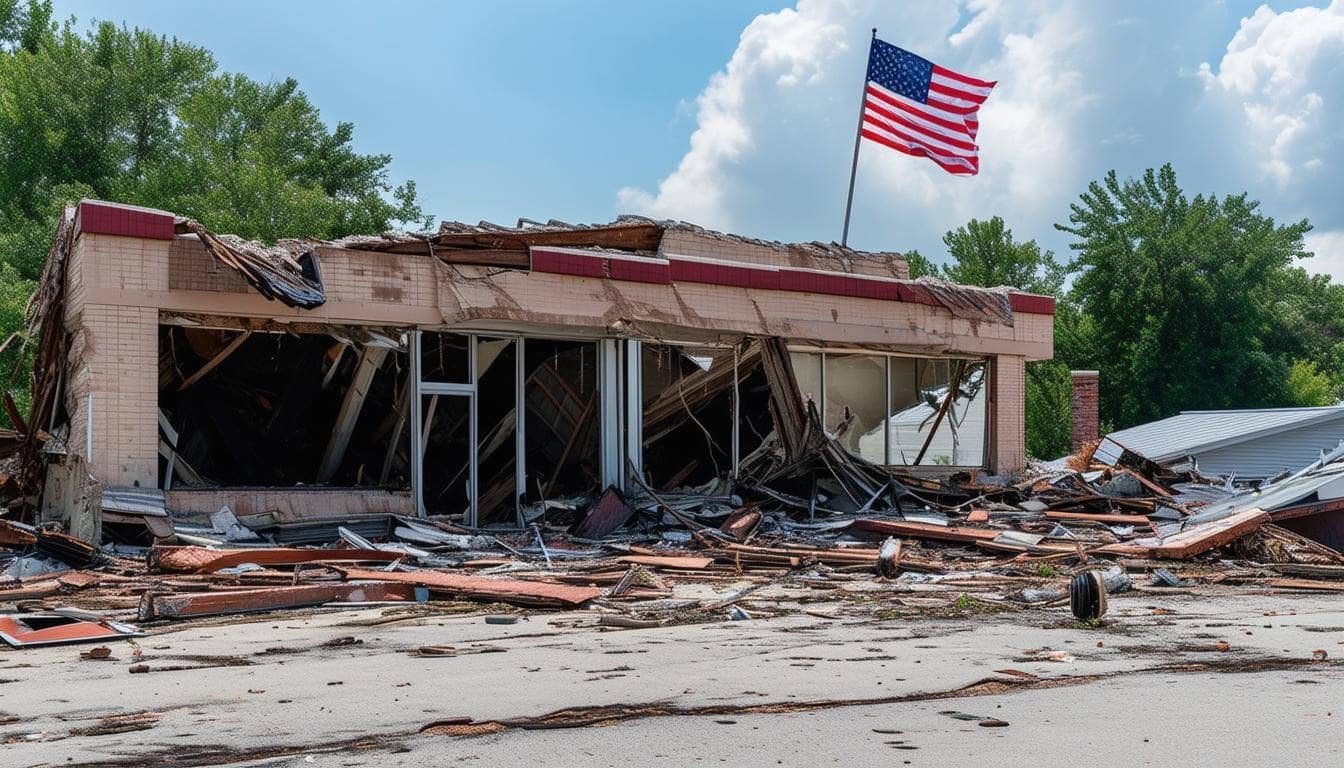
[(1048, 409), (920, 265), (985, 253), (129, 115), (257, 160), (1307, 324), (1308, 386), (1180, 295)]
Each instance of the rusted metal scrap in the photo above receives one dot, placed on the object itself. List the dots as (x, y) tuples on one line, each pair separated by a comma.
[(515, 591), (190, 604), (202, 560), (607, 514)]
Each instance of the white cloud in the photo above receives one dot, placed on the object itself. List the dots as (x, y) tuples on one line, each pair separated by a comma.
[(985, 12), (1084, 87), (1283, 70), (778, 55), (1328, 250)]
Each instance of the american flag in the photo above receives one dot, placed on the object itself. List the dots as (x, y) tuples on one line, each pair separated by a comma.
[(917, 107)]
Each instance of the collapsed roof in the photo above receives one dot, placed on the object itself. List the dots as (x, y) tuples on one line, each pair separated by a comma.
[(290, 272)]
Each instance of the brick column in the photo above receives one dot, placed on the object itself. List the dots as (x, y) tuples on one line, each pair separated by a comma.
[(1009, 429), (1083, 397), (120, 257)]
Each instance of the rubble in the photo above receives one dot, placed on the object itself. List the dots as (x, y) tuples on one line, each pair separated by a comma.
[(1010, 541), (517, 470)]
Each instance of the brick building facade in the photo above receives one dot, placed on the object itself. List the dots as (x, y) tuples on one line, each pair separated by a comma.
[(139, 292)]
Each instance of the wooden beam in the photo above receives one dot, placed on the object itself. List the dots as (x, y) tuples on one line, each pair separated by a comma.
[(370, 360), (404, 406), (909, 529), (1113, 519), (167, 428), (179, 466), (569, 445), (953, 385), (1192, 541), (213, 362)]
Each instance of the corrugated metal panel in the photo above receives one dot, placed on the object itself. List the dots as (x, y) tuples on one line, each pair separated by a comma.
[(1326, 483), (133, 501), (1195, 432), (1267, 456)]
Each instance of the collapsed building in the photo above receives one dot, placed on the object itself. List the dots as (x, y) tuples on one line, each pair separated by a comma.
[(486, 372), (567, 417)]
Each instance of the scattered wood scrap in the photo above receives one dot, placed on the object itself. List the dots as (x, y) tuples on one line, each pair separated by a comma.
[(1192, 541)]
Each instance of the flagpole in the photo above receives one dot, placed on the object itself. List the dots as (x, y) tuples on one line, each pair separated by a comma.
[(858, 136)]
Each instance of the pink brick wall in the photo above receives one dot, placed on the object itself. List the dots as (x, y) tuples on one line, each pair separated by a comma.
[(191, 268), (1008, 379), (117, 350), (114, 355)]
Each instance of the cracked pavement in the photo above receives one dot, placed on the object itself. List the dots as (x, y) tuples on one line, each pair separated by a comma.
[(1151, 686)]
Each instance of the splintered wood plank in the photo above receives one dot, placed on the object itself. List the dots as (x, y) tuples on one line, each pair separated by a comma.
[(213, 362), (370, 360), (1192, 541), (1114, 519), (216, 603), (1313, 584), (514, 591), (202, 560), (674, 562), (959, 534)]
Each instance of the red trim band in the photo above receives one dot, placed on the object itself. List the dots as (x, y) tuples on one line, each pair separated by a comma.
[(103, 218), (743, 275)]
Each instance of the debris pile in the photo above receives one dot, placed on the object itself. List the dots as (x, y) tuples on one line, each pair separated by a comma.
[(812, 516)]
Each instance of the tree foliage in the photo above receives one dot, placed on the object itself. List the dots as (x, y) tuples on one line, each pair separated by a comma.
[(1181, 295), (1308, 385), (985, 253), (127, 115), (920, 265)]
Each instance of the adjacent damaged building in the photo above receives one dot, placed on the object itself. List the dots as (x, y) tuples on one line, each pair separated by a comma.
[(487, 371)]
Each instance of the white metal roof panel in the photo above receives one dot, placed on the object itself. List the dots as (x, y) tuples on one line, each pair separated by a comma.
[(1196, 432)]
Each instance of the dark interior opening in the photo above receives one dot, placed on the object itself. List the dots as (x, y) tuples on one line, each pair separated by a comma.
[(563, 424), (688, 412), (245, 408)]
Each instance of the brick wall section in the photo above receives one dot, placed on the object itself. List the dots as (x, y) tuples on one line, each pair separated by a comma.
[(114, 357), (191, 268), (1084, 399), (361, 286), (379, 279), (129, 264), (696, 311), (1008, 379), (122, 356)]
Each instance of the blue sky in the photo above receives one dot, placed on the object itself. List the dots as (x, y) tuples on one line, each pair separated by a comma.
[(740, 115), (497, 110)]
